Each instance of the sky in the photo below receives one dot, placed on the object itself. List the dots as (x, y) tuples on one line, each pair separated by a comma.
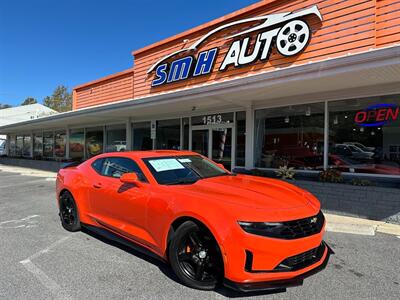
[(46, 43)]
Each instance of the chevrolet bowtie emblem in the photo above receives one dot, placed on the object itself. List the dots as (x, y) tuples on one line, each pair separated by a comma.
[(313, 220)]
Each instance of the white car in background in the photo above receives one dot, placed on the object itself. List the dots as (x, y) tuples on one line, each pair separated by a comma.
[(3, 149), (361, 146), (119, 146)]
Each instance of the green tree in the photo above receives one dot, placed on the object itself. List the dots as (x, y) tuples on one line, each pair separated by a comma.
[(60, 100), (29, 100)]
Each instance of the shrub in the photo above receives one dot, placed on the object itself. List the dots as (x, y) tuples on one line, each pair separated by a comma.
[(331, 175), (285, 173)]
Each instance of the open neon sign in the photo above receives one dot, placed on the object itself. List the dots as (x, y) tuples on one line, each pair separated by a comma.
[(377, 115)]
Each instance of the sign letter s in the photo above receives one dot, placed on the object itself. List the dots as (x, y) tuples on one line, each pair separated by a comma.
[(161, 75)]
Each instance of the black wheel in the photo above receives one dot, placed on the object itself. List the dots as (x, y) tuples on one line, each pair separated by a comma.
[(69, 212), (195, 257)]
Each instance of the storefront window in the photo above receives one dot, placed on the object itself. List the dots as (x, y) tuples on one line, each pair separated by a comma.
[(26, 149), (37, 145), (94, 141), (76, 144), (364, 135), (168, 134), (240, 138), (142, 136), (185, 127), (116, 138), (19, 144), (12, 146), (292, 135), (48, 144), (59, 144)]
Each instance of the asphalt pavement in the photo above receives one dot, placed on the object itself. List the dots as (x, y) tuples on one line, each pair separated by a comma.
[(40, 260)]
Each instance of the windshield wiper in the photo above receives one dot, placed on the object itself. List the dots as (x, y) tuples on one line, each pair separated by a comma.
[(183, 181)]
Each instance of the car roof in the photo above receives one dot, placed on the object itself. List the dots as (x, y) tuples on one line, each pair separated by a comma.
[(146, 154)]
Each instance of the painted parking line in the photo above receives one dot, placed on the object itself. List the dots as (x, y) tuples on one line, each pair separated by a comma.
[(46, 281), (27, 222), (57, 291)]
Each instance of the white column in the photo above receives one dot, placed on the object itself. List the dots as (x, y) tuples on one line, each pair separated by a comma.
[(249, 160), (129, 139), (326, 137), (67, 142), (8, 145), (31, 150)]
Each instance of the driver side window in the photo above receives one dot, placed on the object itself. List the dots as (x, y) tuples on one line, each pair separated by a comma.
[(116, 166)]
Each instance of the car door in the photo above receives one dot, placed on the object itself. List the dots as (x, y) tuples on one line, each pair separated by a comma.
[(119, 206)]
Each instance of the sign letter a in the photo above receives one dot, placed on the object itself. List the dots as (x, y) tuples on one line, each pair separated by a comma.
[(232, 56)]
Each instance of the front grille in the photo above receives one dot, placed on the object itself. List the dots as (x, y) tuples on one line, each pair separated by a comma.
[(302, 260), (303, 227)]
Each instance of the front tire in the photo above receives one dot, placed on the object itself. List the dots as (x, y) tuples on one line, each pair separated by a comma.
[(69, 212), (195, 257)]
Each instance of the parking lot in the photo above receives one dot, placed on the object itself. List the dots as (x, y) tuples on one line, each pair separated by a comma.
[(40, 260)]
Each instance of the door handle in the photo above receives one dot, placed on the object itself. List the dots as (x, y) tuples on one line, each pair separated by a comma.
[(97, 186)]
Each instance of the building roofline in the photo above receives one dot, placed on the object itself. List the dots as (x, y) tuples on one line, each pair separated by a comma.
[(227, 17), (108, 77)]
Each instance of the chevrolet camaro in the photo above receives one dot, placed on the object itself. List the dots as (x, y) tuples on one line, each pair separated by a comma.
[(212, 226)]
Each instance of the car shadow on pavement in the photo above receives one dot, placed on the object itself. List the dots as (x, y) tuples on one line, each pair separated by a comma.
[(142, 253)]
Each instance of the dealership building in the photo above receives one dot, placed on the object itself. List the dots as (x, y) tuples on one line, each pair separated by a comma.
[(310, 84)]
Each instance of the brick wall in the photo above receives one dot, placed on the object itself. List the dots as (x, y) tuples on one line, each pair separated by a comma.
[(376, 203)]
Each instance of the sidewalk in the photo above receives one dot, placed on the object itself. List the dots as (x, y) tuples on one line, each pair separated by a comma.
[(27, 171), (335, 223)]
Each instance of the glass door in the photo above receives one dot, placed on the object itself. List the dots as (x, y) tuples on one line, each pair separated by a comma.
[(214, 142), (200, 141), (222, 146)]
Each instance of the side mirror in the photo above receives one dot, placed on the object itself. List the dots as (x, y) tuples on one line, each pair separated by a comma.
[(130, 178)]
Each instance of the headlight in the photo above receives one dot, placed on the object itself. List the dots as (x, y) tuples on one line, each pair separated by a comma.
[(263, 228)]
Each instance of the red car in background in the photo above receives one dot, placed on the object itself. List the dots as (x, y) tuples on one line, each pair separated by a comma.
[(211, 226)]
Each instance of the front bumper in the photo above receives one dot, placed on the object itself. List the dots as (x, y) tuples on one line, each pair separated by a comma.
[(280, 284)]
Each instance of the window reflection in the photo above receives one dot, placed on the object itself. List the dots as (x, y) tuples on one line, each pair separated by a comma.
[(292, 135), (141, 136), (94, 141), (369, 147), (76, 144), (168, 134), (116, 138)]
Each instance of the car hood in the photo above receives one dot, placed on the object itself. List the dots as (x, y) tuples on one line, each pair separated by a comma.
[(249, 191)]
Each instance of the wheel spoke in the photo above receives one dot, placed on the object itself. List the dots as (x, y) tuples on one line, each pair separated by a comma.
[(195, 240), (185, 256), (302, 31), (199, 271)]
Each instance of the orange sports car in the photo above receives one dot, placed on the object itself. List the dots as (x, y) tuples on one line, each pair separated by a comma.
[(210, 225)]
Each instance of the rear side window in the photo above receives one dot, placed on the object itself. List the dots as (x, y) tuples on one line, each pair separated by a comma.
[(116, 166), (98, 165)]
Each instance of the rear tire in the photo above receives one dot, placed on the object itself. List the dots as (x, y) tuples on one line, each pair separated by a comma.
[(69, 214), (195, 257)]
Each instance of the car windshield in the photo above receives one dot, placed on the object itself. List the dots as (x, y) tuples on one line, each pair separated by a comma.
[(186, 169)]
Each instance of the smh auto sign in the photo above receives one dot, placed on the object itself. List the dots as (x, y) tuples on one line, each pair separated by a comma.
[(287, 31)]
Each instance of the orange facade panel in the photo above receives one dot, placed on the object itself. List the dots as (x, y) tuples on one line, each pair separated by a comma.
[(347, 26), (387, 22), (110, 89)]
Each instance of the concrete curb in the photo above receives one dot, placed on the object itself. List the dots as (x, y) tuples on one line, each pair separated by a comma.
[(336, 223)]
